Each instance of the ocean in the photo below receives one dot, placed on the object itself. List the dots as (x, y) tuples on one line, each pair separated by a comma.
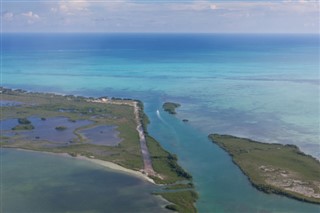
[(264, 87)]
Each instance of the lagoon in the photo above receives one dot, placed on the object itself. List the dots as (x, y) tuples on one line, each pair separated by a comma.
[(102, 135), (39, 182)]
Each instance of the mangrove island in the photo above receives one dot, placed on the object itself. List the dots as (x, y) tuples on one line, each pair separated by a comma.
[(170, 107), (274, 168)]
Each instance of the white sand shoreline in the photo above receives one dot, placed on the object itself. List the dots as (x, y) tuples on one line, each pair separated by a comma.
[(106, 164), (145, 154), (117, 167)]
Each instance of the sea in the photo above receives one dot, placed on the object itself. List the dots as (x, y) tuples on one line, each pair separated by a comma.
[(259, 86)]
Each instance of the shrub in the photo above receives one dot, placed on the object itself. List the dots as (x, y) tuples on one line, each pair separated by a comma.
[(24, 121), (61, 128)]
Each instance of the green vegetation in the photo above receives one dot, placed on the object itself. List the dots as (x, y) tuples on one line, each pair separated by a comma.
[(166, 164), (117, 112), (170, 107), (61, 128), (23, 127), (180, 186), (41, 105), (172, 207), (24, 121), (182, 200), (163, 162), (274, 168)]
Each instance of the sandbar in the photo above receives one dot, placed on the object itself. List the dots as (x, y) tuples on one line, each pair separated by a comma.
[(117, 167)]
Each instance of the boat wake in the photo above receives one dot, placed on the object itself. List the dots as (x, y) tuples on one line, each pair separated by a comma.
[(160, 118), (175, 136)]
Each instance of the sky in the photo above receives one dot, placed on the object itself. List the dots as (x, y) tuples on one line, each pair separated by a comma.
[(163, 16)]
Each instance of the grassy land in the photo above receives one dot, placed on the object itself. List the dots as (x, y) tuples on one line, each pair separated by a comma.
[(180, 186), (23, 127), (163, 162), (166, 164), (126, 154), (275, 168), (182, 200), (170, 107)]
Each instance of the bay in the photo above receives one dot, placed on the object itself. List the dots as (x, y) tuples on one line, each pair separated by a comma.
[(48, 183)]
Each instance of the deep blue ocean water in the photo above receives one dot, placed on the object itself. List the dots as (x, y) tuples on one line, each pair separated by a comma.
[(264, 87)]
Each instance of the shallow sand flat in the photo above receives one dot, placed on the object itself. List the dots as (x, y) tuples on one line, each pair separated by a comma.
[(43, 175), (116, 167), (106, 164)]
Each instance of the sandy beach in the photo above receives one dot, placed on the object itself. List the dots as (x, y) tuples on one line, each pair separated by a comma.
[(106, 164), (116, 167)]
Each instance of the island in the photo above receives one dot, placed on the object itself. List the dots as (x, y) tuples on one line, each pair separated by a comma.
[(274, 168), (170, 107), (109, 131)]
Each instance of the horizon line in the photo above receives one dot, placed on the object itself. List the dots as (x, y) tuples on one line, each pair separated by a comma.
[(79, 32)]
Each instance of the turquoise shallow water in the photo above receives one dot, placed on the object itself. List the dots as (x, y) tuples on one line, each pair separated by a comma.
[(37, 182), (222, 186), (264, 87)]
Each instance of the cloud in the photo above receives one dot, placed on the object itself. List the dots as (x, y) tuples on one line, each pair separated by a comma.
[(300, 1), (70, 7), (213, 7), (31, 17), (7, 16), (54, 9), (30, 14), (164, 16), (64, 8), (302, 6), (193, 6)]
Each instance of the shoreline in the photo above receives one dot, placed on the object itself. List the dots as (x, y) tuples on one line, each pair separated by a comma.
[(129, 155), (148, 167), (116, 167), (285, 173), (106, 164)]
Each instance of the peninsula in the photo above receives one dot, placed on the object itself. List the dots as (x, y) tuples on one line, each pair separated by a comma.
[(274, 168), (108, 131)]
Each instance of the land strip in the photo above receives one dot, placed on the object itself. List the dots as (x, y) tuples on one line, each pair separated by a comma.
[(148, 169), (274, 168), (79, 113)]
